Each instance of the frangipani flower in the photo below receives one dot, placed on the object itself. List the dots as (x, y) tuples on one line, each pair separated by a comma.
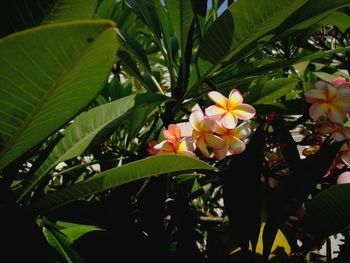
[(229, 110), (233, 139), (185, 146), (172, 134), (203, 129), (173, 143), (326, 100), (338, 133)]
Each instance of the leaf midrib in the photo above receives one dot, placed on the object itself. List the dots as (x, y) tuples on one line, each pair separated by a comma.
[(43, 101)]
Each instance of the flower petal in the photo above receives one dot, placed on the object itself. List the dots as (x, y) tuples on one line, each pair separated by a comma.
[(317, 110), (344, 90), (344, 178), (235, 98), (338, 136), (218, 98), (213, 141), (202, 146), (315, 95), (186, 144), (243, 130), (338, 81), (175, 130), (322, 85), (208, 125), (335, 114), (173, 133), (220, 154), (215, 111), (342, 102), (165, 146), (244, 111), (196, 134), (236, 145), (229, 120), (195, 119), (331, 92), (220, 129)]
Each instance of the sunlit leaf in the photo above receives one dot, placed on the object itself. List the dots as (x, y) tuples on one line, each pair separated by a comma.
[(151, 166), (90, 129), (45, 79)]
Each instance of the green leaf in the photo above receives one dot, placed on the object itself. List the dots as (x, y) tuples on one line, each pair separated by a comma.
[(109, 9), (144, 9), (164, 23), (312, 13), (90, 129), (338, 19), (328, 212), (325, 76), (302, 66), (181, 15), (79, 230), (150, 166), (134, 48), (21, 14), (130, 66), (250, 25), (283, 63), (48, 75), (62, 244), (275, 89)]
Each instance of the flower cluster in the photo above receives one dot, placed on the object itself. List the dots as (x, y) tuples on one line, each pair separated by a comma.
[(332, 103), (330, 109), (331, 100), (218, 128)]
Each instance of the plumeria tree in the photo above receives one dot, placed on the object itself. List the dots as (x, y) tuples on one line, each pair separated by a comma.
[(176, 130)]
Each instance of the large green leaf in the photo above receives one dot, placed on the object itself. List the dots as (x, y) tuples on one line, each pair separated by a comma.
[(328, 212), (90, 129), (312, 13), (252, 20), (48, 75), (275, 89), (151, 166), (62, 244), (181, 15), (22, 14)]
